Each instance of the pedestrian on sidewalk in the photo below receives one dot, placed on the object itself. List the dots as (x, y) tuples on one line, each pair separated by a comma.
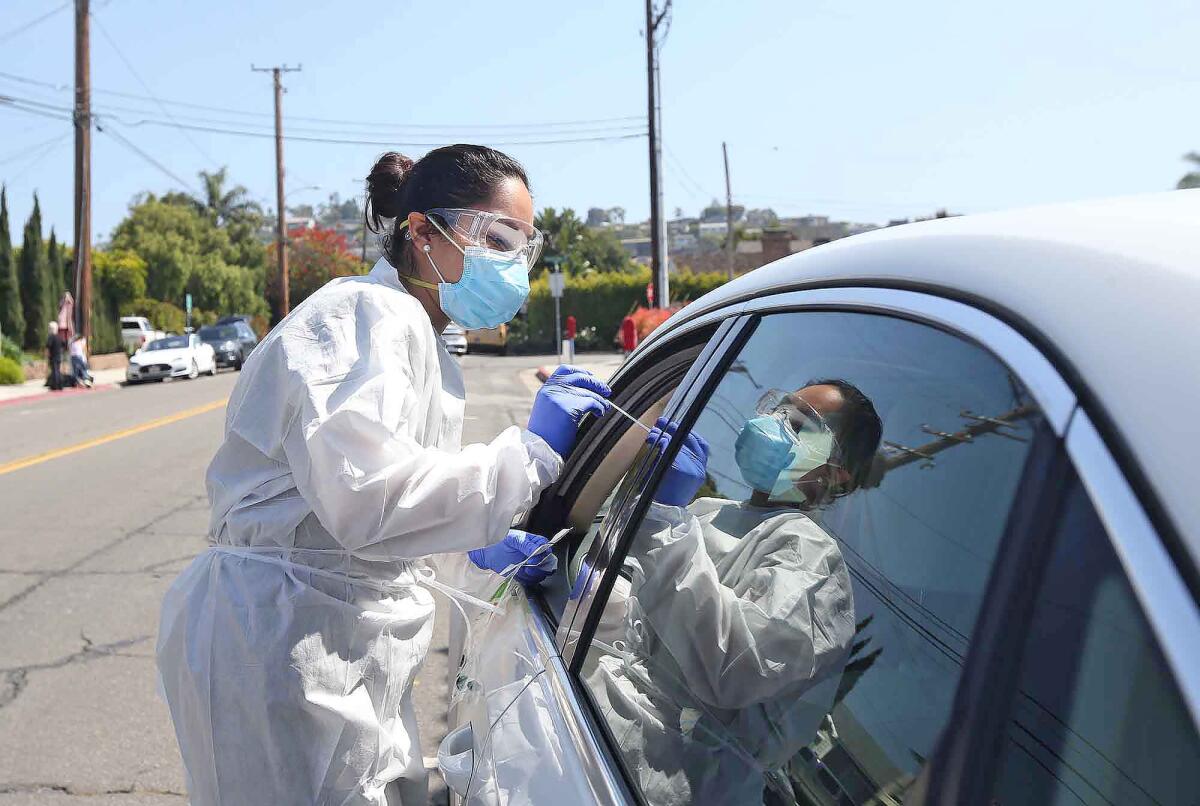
[(288, 650), (79, 362), (54, 354), (66, 317)]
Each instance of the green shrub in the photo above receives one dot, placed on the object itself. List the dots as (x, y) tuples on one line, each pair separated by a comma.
[(10, 349), (599, 302), (10, 372)]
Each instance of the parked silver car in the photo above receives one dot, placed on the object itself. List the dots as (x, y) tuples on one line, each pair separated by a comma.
[(985, 591)]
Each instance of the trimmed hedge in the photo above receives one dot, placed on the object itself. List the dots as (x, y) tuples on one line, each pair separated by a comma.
[(600, 301)]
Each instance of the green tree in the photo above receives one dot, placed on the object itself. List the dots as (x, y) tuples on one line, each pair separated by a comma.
[(217, 286), (223, 206), (123, 274), (581, 248), (1192, 178), (170, 237), (12, 319), (54, 275), (34, 286)]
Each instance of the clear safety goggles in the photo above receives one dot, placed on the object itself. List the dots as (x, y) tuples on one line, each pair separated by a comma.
[(799, 418), (500, 233)]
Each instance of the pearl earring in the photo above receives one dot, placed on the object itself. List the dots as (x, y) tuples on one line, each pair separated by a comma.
[(425, 247)]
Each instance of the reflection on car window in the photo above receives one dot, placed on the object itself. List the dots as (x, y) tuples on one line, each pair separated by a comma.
[(793, 629), (1097, 718)]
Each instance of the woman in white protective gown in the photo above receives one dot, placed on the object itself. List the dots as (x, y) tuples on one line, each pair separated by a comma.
[(341, 497)]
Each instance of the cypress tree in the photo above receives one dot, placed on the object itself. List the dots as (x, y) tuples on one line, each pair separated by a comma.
[(12, 321), (33, 280), (54, 278)]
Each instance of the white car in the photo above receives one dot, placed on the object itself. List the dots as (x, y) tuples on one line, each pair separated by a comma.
[(982, 589), (173, 357), (455, 338)]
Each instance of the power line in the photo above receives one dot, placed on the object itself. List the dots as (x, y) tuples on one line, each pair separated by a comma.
[(684, 174), (13, 103), (360, 124), (47, 108), (390, 143), (28, 149), (47, 151), (23, 28), (112, 42), (116, 135)]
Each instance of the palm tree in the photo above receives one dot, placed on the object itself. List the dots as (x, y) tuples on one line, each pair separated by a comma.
[(224, 206), (1192, 178)]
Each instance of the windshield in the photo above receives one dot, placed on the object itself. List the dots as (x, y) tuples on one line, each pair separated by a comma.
[(212, 333), (173, 343)]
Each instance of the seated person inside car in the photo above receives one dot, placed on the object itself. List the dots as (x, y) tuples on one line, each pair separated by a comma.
[(760, 579)]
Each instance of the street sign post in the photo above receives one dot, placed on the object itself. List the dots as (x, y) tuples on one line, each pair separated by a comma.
[(187, 300), (557, 285)]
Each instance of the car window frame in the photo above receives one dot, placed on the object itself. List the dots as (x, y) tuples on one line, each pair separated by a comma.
[(944, 773), (597, 438)]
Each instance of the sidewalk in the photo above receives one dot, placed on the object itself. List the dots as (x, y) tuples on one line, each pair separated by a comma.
[(603, 365), (105, 379)]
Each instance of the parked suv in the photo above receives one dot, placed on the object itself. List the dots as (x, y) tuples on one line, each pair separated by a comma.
[(231, 342), (975, 583)]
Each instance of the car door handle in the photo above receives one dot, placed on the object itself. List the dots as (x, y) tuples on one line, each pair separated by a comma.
[(456, 758)]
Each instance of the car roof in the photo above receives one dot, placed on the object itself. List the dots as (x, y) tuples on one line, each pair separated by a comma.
[(1108, 289)]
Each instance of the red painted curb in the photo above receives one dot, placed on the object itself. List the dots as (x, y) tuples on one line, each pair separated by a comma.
[(68, 392)]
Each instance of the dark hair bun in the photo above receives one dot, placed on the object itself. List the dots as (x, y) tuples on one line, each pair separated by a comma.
[(385, 185)]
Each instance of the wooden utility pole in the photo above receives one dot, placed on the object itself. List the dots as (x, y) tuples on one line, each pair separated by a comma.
[(658, 258), (281, 223), (83, 172), (730, 246)]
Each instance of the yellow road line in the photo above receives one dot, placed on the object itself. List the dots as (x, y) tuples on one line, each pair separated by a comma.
[(37, 459)]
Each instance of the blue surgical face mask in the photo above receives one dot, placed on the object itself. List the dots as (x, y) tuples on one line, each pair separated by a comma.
[(773, 457), (492, 289)]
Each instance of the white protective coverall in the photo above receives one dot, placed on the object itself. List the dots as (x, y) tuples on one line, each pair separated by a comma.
[(287, 650), (737, 624)]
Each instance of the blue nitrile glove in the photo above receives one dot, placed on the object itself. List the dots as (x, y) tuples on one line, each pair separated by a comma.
[(686, 473), (517, 547), (562, 401)]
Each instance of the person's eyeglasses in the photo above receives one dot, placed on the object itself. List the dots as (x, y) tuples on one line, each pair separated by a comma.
[(499, 233)]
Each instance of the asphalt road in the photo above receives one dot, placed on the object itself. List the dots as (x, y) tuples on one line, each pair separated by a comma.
[(92, 532)]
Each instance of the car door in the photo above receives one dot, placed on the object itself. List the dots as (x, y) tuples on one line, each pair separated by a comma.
[(863, 649)]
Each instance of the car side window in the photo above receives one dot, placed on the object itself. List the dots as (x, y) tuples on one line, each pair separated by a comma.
[(791, 619), (1097, 717)]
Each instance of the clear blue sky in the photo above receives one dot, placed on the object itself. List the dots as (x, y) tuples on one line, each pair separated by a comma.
[(862, 111)]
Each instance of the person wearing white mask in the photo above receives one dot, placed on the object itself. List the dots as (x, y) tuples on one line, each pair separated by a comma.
[(341, 497), (759, 579)]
